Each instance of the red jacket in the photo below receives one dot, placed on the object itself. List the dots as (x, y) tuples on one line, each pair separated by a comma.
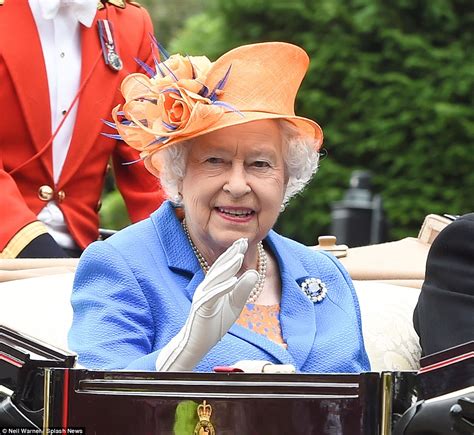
[(25, 125)]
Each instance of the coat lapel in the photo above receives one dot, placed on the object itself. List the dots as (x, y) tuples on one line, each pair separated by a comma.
[(28, 72), (298, 314), (179, 254), (96, 97)]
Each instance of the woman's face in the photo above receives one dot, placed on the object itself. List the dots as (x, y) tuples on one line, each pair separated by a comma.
[(234, 185)]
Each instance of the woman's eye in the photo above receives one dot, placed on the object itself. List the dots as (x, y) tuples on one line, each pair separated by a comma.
[(261, 164), (214, 160)]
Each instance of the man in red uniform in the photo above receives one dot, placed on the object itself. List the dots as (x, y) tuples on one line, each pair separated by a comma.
[(61, 65)]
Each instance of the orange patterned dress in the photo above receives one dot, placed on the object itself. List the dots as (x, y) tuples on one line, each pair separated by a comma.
[(264, 320)]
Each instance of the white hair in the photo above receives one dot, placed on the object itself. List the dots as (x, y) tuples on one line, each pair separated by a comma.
[(299, 154), (301, 158)]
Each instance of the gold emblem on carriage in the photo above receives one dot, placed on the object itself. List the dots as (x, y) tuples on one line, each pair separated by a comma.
[(204, 425)]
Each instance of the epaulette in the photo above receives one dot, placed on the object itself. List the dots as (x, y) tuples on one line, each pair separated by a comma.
[(117, 3)]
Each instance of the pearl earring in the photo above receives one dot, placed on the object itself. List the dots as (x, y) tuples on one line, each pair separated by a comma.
[(282, 208), (177, 199)]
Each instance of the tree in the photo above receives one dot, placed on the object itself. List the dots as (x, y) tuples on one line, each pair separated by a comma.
[(391, 83)]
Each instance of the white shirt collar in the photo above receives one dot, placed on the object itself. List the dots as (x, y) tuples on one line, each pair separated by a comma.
[(83, 10)]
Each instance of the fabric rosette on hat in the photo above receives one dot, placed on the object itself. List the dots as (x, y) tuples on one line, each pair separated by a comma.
[(187, 96), (170, 105)]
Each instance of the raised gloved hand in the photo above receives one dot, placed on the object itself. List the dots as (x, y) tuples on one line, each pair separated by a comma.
[(217, 303)]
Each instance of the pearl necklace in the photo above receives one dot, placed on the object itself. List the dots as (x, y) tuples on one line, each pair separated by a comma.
[(262, 265)]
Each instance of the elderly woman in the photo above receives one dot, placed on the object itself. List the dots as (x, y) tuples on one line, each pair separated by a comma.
[(205, 281)]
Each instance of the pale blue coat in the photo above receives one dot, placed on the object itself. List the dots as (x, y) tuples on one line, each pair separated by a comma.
[(133, 292)]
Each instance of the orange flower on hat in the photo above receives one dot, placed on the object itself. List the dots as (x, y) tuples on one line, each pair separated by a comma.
[(189, 71), (172, 104)]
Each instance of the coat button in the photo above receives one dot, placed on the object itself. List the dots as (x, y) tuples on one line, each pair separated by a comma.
[(45, 193), (61, 195)]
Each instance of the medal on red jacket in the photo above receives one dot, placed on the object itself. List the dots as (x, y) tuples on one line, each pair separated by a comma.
[(106, 36)]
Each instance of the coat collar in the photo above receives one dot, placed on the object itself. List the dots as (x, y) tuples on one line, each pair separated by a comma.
[(298, 313), (179, 254)]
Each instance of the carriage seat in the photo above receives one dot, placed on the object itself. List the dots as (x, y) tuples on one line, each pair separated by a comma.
[(39, 305)]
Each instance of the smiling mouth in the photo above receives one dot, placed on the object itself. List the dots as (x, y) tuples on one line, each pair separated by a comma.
[(236, 212)]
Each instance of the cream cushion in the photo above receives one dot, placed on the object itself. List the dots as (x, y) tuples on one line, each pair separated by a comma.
[(390, 339), (39, 306)]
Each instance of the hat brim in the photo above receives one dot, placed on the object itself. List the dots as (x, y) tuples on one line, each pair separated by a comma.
[(307, 127)]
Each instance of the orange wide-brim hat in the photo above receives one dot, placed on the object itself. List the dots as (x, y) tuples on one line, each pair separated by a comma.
[(191, 96)]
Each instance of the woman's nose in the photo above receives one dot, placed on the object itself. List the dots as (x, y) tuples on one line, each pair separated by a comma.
[(237, 184)]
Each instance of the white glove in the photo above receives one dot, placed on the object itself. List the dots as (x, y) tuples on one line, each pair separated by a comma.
[(217, 303)]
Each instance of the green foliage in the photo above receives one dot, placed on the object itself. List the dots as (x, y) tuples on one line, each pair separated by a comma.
[(169, 17), (391, 83), (113, 213)]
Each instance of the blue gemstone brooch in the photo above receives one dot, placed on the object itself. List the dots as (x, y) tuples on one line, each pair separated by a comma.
[(315, 289)]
